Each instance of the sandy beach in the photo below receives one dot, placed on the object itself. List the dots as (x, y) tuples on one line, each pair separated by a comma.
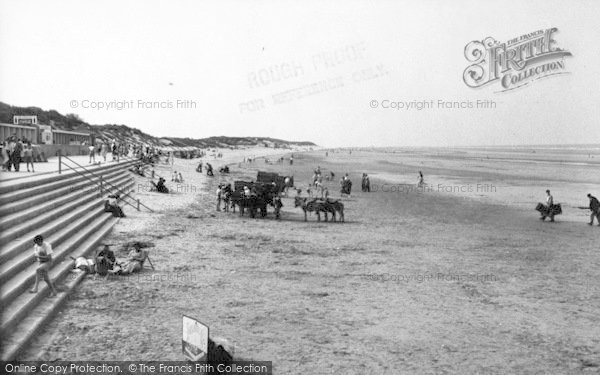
[(432, 281)]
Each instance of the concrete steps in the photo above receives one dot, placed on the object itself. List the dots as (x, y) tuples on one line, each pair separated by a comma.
[(47, 212), (27, 185), (64, 227), (18, 201), (18, 285), (34, 311), (68, 210), (13, 247), (65, 195)]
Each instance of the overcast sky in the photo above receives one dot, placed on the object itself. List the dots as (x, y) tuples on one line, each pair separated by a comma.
[(234, 59)]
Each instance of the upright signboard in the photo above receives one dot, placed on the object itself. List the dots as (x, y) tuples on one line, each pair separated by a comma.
[(194, 339)]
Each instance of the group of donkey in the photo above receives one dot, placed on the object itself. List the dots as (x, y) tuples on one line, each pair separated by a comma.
[(262, 195), (318, 205)]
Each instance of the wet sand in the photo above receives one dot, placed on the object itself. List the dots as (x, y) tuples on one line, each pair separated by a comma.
[(412, 282)]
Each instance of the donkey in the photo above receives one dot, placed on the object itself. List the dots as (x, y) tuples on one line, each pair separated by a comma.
[(314, 206), (337, 206)]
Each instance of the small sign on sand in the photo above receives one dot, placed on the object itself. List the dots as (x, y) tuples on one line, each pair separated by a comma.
[(194, 339)]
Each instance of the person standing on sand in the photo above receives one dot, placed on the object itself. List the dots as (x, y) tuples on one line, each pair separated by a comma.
[(219, 192), (595, 208), (421, 180), (43, 254), (549, 204)]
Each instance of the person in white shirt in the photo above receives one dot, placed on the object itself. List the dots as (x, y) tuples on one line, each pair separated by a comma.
[(43, 254), (549, 204)]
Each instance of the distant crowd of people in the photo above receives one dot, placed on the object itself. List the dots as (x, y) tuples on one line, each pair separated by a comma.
[(16, 151), (117, 149)]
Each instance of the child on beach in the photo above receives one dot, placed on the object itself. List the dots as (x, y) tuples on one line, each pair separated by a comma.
[(28, 156), (43, 253)]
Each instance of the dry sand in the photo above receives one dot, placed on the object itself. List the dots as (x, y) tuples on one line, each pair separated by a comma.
[(413, 282)]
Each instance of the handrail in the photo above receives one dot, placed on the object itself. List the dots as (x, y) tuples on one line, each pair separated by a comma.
[(112, 185), (101, 181), (125, 194)]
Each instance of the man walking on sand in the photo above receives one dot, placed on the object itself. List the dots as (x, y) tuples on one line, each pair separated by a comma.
[(549, 204), (595, 208), (43, 253)]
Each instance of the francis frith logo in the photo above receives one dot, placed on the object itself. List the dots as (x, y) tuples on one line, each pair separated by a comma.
[(514, 63)]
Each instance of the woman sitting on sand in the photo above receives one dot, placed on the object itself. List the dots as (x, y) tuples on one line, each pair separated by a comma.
[(160, 186), (134, 263)]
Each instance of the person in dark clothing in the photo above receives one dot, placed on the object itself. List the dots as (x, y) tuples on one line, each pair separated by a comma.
[(105, 261), (346, 186), (161, 187), (107, 253), (595, 208), (112, 205), (16, 155), (366, 184)]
